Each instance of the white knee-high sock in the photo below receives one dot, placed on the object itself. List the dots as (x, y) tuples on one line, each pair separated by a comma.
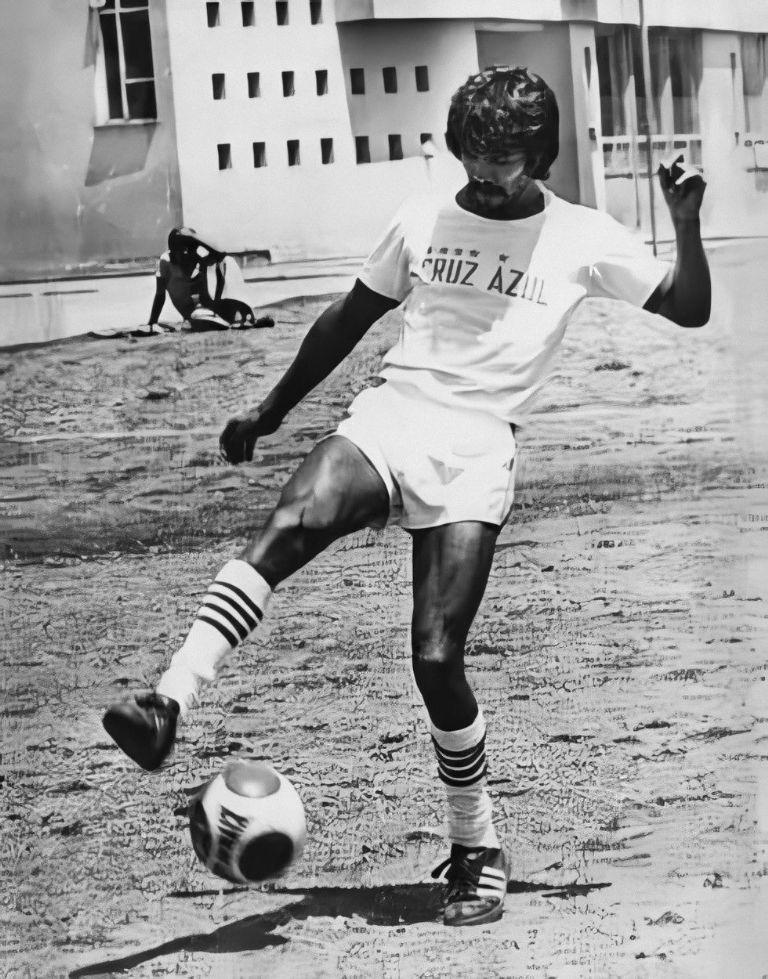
[(234, 605), (461, 765)]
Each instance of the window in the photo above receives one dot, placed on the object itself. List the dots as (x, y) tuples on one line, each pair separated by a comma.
[(676, 75), (249, 17), (422, 78), (390, 80), (425, 138), (316, 11), (259, 155), (294, 158), (395, 147), (126, 62), (212, 11), (254, 85), (281, 12), (362, 149), (321, 81), (288, 87), (326, 150), (218, 84), (614, 72), (225, 156), (753, 66), (357, 80)]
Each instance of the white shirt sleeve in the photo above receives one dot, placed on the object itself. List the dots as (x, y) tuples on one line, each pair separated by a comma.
[(387, 269), (622, 266)]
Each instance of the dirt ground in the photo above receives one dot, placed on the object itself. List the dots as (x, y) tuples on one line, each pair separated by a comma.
[(619, 655)]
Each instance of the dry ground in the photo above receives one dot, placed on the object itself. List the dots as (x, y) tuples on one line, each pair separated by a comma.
[(620, 656)]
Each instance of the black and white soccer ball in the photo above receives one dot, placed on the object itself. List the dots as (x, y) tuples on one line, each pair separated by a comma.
[(247, 824)]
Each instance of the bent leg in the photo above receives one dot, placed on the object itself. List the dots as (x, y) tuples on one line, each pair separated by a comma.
[(334, 492), (451, 565)]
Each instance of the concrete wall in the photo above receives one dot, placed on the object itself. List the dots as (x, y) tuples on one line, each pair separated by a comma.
[(546, 52), (73, 193), (314, 209), (449, 51), (609, 11)]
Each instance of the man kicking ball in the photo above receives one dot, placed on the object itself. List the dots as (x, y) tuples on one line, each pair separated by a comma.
[(488, 281)]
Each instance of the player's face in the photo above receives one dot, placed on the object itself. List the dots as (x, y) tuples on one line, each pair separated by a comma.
[(494, 183)]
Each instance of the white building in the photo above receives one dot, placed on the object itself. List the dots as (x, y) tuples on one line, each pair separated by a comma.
[(295, 127), (301, 123)]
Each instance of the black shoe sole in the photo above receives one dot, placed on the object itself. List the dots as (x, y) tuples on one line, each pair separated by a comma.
[(123, 732)]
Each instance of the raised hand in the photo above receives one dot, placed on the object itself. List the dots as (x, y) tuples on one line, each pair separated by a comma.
[(683, 188)]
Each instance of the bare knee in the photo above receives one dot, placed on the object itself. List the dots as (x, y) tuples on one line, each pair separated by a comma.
[(438, 652)]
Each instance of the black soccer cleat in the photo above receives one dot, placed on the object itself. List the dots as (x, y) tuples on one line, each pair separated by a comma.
[(477, 885), (144, 728)]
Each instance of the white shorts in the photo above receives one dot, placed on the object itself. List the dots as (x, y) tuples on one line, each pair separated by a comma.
[(440, 464)]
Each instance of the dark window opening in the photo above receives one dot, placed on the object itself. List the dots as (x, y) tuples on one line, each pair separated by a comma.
[(395, 146), (321, 81), (288, 86), (390, 80), (326, 150), (357, 80), (212, 11), (259, 154), (316, 11), (218, 84), (225, 155), (422, 78), (128, 64), (249, 15), (294, 158), (281, 12), (362, 149), (425, 138), (254, 85)]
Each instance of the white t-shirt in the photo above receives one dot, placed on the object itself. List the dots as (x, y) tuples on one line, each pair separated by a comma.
[(487, 302)]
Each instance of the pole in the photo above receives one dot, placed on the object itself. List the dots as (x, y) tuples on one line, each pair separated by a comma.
[(645, 122)]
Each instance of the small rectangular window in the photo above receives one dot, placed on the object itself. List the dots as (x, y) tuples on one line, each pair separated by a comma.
[(294, 158), (288, 87), (321, 81), (422, 78), (254, 85), (326, 150), (362, 149), (390, 80), (425, 138), (218, 85), (357, 80), (225, 156), (259, 154), (249, 16), (281, 12), (212, 11), (395, 146), (316, 11)]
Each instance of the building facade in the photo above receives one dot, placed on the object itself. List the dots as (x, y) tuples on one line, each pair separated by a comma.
[(294, 128), (88, 144)]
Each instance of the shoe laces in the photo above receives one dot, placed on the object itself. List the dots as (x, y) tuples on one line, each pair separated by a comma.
[(462, 874)]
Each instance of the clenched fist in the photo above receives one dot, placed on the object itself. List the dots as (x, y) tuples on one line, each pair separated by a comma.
[(239, 437)]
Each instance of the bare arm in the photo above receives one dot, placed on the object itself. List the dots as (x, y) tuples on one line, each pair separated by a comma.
[(331, 338), (158, 302), (685, 295)]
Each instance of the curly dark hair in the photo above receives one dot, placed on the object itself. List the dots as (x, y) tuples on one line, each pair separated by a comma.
[(501, 110)]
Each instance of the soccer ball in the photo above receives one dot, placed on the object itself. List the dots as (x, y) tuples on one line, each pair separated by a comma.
[(247, 824)]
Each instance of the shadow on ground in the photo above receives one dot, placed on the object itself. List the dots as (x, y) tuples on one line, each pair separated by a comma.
[(388, 906)]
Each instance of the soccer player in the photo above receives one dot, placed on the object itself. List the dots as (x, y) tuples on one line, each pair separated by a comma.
[(182, 273), (488, 281)]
